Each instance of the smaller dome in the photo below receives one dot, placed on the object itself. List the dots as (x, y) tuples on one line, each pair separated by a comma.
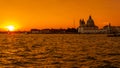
[(82, 22)]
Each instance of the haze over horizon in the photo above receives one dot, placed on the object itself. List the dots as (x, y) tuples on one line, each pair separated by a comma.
[(27, 14)]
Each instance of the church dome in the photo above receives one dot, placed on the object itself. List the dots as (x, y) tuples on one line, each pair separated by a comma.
[(90, 22)]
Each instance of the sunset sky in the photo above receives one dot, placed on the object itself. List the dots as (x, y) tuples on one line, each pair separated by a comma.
[(27, 14)]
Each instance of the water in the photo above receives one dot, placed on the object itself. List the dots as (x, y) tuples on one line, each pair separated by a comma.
[(59, 51)]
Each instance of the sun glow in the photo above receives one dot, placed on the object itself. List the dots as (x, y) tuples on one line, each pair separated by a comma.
[(11, 28), (10, 25)]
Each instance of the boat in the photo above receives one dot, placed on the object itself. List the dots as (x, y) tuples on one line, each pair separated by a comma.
[(113, 35)]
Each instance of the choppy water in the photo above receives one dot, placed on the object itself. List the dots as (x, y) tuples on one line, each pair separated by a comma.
[(59, 51)]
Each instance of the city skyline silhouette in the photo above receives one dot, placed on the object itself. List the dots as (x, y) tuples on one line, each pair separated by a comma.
[(41, 14)]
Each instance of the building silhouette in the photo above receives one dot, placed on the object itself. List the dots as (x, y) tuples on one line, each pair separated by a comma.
[(112, 29), (89, 27)]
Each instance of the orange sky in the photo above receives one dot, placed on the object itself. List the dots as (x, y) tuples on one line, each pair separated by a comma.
[(27, 14)]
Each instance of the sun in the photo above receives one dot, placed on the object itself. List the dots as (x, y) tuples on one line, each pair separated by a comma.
[(11, 28)]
